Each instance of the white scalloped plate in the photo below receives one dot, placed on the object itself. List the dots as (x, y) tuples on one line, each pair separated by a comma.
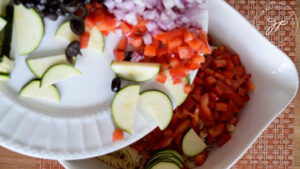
[(273, 73), (81, 125)]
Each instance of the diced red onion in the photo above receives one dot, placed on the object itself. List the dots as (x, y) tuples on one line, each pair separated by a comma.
[(171, 14), (135, 57), (128, 5), (160, 14), (119, 32), (131, 18), (151, 26), (149, 15), (147, 38), (179, 4), (110, 4), (119, 1), (168, 4)]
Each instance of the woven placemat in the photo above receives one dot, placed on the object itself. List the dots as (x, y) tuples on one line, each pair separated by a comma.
[(274, 149)]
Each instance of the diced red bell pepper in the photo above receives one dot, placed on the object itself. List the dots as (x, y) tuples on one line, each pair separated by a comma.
[(161, 78), (250, 86), (163, 143), (120, 55), (239, 70), (182, 127), (220, 63), (230, 93), (228, 74), (175, 62), (185, 52), (89, 23), (122, 44), (235, 84), (201, 158), (223, 139), (118, 134), (189, 103), (210, 80), (155, 43), (149, 51), (242, 91), (177, 72), (198, 59), (196, 44), (175, 43), (236, 60), (107, 24), (221, 106), (136, 41), (84, 40), (187, 88), (188, 35), (216, 130), (126, 28), (217, 91), (161, 52), (205, 112)]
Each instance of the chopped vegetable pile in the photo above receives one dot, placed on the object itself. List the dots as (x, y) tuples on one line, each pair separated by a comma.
[(179, 49), (217, 95), (162, 15)]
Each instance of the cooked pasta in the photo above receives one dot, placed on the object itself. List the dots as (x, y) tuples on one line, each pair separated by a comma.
[(127, 158)]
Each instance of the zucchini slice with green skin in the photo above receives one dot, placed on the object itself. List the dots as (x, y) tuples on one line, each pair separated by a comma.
[(170, 151), (124, 106), (157, 164), (7, 65), (135, 71), (165, 158), (96, 41), (4, 77), (165, 155), (33, 90), (159, 106), (192, 144), (165, 165), (176, 90), (3, 23), (29, 29), (59, 73), (64, 32), (39, 66)]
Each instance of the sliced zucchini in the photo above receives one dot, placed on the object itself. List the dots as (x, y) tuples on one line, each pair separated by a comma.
[(165, 155), (64, 32), (33, 90), (4, 77), (159, 106), (3, 23), (192, 144), (39, 66), (176, 90), (124, 106), (161, 158), (170, 151), (29, 29), (58, 73), (134, 71), (7, 65), (165, 165), (96, 41)]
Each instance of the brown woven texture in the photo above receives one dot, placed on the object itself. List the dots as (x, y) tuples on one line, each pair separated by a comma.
[(274, 149)]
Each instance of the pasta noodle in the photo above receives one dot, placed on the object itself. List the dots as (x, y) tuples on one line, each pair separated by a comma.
[(127, 158)]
